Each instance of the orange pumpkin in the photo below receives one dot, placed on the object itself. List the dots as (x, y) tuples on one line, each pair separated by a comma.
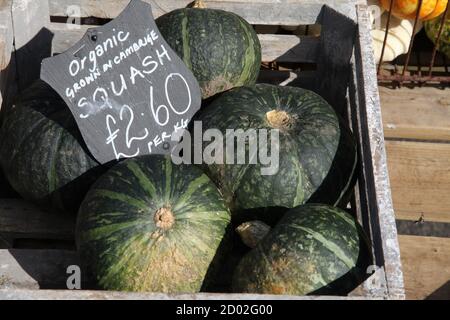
[(407, 9)]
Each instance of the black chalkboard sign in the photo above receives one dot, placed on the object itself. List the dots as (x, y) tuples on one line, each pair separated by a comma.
[(127, 89)]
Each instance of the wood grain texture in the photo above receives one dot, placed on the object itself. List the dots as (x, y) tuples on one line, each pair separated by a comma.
[(419, 113), (374, 202), (32, 39), (6, 33), (7, 61), (426, 266), (34, 269), (21, 219), (333, 62), (420, 179), (274, 12), (280, 48)]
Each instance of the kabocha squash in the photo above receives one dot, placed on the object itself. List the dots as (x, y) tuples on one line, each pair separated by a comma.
[(220, 48), (317, 153), (313, 249), (432, 29), (407, 9), (149, 225), (42, 153)]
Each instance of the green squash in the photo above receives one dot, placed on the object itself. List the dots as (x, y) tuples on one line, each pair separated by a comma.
[(317, 153), (314, 249), (149, 225), (220, 48), (432, 30), (42, 153)]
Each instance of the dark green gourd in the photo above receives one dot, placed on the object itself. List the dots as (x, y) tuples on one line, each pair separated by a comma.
[(317, 153), (150, 225), (42, 153), (219, 47), (314, 249)]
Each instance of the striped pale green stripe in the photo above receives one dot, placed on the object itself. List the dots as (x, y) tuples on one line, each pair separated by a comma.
[(107, 230), (329, 245), (168, 182), (249, 58), (192, 187), (300, 192), (185, 35), (51, 175), (144, 181), (121, 197), (344, 217)]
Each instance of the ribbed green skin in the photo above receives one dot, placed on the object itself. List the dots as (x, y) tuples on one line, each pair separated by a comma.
[(313, 249), (120, 241), (42, 153), (317, 156), (432, 30), (219, 47)]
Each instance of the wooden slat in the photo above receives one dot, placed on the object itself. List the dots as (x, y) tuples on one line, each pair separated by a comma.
[(47, 269), (34, 269), (17, 294), (419, 113), (6, 33), (23, 220), (7, 69), (426, 267), (281, 48), (272, 12), (288, 48), (32, 39), (420, 179)]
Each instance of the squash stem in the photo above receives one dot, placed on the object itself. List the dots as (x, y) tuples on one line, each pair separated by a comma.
[(252, 232), (199, 4), (164, 218), (279, 119)]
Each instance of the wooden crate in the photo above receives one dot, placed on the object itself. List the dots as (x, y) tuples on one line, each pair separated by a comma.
[(38, 246)]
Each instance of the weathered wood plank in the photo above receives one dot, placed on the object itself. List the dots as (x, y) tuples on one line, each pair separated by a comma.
[(333, 61), (34, 269), (47, 269), (287, 48), (32, 39), (420, 179), (375, 205), (426, 266), (419, 113), (298, 78), (6, 33), (7, 69), (274, 12), (17, 294), (281, 48), (21, 219)]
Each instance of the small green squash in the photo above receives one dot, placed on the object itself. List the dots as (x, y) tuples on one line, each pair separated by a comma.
[(42, 153), (317, 152), (432, 29), (219, 47), (314, 249), (149, 225)]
